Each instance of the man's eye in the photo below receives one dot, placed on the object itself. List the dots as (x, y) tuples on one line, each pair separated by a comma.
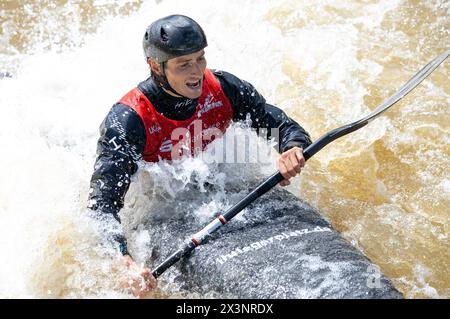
[(185, 65)]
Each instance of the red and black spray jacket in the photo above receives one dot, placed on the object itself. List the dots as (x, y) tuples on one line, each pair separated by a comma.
[(140, 127), (166, 137)]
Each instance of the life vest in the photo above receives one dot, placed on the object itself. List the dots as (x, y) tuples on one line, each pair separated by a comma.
[(172, 139)]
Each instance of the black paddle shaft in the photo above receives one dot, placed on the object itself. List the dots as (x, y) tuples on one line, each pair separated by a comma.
[(270, 182)]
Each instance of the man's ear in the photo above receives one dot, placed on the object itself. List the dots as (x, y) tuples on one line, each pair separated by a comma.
[(154, 66)]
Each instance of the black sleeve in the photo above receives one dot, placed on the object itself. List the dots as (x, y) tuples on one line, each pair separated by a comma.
[(247, 102), (119, 148)]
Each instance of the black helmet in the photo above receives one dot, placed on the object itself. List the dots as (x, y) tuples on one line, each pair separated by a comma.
[(173, 36)]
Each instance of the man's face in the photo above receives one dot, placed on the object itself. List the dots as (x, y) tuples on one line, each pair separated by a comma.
[(185, 74)]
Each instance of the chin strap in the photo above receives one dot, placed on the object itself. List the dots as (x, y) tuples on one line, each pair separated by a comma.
[(161, 80)]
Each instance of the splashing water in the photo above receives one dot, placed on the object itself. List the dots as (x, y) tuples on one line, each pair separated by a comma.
[(385, 188)]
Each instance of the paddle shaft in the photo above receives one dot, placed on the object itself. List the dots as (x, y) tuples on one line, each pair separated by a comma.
[(200, 237)]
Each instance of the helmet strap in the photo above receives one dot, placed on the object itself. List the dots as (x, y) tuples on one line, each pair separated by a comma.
[(161, 80)]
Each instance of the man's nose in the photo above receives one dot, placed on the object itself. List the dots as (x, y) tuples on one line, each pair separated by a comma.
[(197, 69)]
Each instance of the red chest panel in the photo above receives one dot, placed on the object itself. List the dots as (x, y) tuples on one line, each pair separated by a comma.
[(171, 139)]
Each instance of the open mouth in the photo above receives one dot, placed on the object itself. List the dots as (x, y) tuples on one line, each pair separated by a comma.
[(193, 85)]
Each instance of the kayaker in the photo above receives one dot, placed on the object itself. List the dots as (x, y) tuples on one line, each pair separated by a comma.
[(180, 94)]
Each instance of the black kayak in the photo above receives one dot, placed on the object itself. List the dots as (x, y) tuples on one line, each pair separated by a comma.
[(279, 247)]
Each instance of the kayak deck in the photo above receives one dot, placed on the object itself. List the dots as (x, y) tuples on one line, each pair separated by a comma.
[(280, 247)]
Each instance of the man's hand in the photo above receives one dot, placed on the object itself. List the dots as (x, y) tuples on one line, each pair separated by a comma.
[(139, 280), (290, 163)]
